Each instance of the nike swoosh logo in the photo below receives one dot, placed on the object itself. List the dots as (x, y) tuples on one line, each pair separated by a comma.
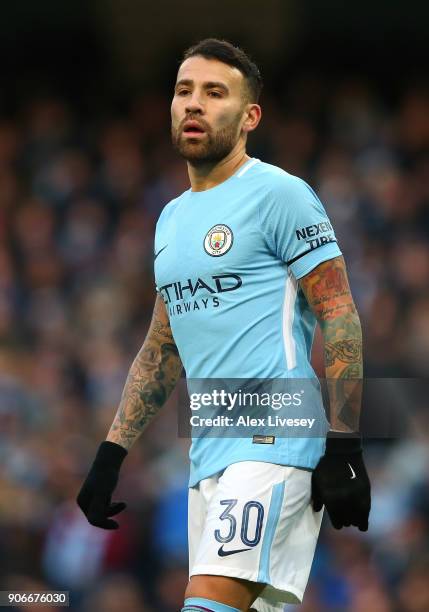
[(225, 553), (353, 472), (160, 251)]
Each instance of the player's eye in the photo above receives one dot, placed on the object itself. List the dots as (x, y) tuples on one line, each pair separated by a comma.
[(215, 94), (182, 92)]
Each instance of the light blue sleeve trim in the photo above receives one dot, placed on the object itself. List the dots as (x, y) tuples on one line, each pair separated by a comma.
[(270, 529), (308, 262)]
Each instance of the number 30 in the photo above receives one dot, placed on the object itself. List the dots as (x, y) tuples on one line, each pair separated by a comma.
[(226, 515)]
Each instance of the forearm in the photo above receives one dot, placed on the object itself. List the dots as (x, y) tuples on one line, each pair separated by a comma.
[(152, 377), (344, 369), (328, 293), (150, 381)]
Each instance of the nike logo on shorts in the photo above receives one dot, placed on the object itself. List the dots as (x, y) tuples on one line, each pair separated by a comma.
[(225, 553), (160, 251)]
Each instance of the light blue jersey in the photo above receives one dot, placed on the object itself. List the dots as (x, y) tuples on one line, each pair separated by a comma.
[(227, 261)]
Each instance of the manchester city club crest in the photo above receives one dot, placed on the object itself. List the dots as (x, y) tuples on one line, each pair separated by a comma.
[(218, 240)]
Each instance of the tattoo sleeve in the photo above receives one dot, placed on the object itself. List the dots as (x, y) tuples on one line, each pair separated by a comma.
[(328, 294), (151, 378)]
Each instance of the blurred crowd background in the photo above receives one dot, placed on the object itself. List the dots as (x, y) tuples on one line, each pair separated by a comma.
[(86, 167)]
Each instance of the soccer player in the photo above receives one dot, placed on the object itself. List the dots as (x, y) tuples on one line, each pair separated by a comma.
[(246, 263)]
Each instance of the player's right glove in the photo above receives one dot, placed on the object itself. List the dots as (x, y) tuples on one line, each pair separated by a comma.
[(94, 498), (340, 482)]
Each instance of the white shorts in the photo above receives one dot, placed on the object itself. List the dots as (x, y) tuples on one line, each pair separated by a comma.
[(254, 521)]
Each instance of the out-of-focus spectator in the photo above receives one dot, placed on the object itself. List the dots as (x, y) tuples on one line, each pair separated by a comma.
[(413, 591), (116, 593)]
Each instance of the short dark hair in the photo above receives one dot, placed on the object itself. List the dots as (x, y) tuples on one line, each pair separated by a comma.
[(224, 51)]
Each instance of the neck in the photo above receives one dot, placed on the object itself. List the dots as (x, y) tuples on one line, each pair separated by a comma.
[(206, 176)]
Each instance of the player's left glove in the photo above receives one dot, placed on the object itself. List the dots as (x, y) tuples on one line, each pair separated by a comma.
[(340, 482)]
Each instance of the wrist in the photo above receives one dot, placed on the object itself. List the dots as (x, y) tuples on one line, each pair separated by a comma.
[(339, 442), (110, 454)]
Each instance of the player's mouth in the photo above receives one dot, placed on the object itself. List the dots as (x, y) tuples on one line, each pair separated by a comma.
[(193, 129)]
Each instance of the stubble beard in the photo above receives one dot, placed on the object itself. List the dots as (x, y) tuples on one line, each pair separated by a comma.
[(215, 146)]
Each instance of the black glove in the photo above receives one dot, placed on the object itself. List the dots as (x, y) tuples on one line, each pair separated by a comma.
[(341, 483), (95, 496)]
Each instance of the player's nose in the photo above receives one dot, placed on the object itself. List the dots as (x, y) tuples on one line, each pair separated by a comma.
[(194, 104)]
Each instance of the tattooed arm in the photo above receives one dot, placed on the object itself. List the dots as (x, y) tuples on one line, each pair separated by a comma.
[(328, 294), (152, 376)]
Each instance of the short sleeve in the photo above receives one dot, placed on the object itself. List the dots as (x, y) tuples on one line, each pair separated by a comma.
[(296, 226)]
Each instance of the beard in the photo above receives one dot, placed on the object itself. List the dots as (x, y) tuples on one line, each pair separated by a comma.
[(213, 148)]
